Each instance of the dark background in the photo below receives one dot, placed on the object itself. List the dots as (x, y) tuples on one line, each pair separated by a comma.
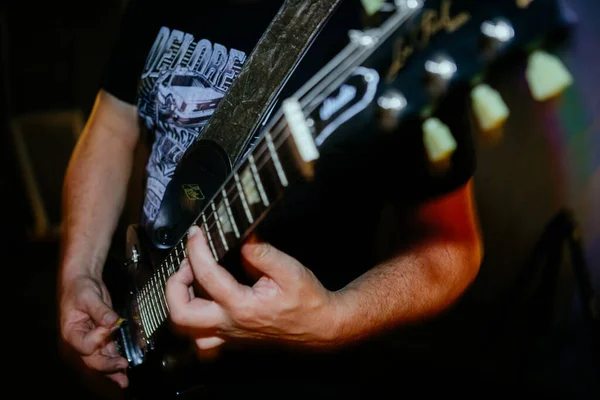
[(521, 328)]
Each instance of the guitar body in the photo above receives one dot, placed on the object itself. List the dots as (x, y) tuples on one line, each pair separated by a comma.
[(162, 368), (377, 84)]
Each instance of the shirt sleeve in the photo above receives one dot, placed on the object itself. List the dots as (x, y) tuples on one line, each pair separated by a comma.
[(134, 39)]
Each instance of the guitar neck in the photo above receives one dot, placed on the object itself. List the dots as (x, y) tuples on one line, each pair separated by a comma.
[(285, 153), (257, 184)]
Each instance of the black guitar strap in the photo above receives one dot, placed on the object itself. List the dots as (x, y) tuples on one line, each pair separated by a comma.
[(208, 162)]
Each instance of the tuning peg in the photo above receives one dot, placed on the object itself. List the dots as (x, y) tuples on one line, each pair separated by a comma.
[(439, 72), (391, 104), (547, 75), (406, 5), (496, 35), (489, 108), (372, 7), (439, 143)]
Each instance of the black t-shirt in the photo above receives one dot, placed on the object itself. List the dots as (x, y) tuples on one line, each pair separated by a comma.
[(193, 50)]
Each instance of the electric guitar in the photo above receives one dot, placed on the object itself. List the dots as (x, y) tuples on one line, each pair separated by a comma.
[(413, 57)]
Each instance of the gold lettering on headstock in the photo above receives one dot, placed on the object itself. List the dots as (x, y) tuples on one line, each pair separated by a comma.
[(524, 3), (432, 22)]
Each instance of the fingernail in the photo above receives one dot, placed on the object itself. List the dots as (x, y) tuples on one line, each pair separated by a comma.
[(193, 231), (110, 318)]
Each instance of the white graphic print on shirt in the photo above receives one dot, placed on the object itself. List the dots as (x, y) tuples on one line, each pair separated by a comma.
[(181, 85)]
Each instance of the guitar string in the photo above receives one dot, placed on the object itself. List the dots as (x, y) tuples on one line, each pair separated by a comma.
[(262, 155), (357, 50), (279, 138)]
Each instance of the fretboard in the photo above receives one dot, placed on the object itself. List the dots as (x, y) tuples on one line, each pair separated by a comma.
[(284, 154), (259, 181)]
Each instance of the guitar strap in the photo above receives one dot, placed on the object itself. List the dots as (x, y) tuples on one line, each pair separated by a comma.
[(208, 162)]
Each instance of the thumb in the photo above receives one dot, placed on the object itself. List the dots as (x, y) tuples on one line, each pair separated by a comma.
[(100, 312), (270, 261)]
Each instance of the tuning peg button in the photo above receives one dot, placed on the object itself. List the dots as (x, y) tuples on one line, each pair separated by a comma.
[(489, 108), (547, 75), (439, 143), (391, 105), (497, 34), (439, 72), (372, 6)]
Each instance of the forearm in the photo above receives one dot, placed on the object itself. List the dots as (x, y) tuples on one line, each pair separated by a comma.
[(94, 193), (439, 259), (406, 290)]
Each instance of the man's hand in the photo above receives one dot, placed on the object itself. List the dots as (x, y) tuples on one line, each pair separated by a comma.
[(86, 324), (286, 305)]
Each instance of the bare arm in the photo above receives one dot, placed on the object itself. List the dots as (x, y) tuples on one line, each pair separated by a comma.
[(94, 195), (289, 305), (96, 184), (424, 279)]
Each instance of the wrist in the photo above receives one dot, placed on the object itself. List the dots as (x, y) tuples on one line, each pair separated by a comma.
[(338, 330), (75, 267)]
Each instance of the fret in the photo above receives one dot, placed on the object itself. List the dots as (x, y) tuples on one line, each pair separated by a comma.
[(162, 283), (155, 300), (209, 238), (160, 297), (162, 276), (169, 267), (176, 261), (165, 272), (172, 262), (218, 208), (220, 229), (271, 173), (142, 313), (180, 255), (213, 227), (142, 310), (256, 203), (289, 158), (147, 317), (249, 188), (258, 182), (157, 317), (249, 220), (229, 212), (150, 302), (180, 252), (146, 311), (276, 161), (149, 308)]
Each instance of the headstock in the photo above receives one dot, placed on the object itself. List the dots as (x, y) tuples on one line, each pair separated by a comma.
[(449, 45)]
